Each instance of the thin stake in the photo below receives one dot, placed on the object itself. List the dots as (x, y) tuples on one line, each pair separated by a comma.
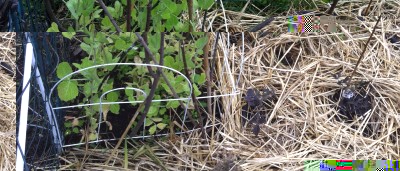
[(366, 10), (333, 6), (362, 54)]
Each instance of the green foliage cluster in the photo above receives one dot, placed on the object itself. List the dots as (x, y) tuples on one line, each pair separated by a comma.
[(166, 16), (103, 48)]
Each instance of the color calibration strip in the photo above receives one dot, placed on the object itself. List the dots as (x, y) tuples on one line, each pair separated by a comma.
[(352, 165), (309, 23)]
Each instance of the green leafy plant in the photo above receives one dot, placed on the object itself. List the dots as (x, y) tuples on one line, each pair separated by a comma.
[(165, 15), (103, 48)]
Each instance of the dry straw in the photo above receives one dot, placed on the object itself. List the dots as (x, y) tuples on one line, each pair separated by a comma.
[(7, 104), (300, 124)]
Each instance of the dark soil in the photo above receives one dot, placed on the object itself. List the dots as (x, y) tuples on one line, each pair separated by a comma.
[(353, 107), (356, 107), (291, 56), (259, 104)]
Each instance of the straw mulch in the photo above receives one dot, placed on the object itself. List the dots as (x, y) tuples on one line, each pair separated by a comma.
[(300, 124), (7, 104)]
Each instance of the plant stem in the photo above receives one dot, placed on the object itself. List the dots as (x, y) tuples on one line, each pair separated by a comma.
[(362, 54), (128, 16), (148, 16), (366, 10), (195, 102), (141, 40), (50, 13), (204, 20), (213, 54), (109, 15), (190, 9), (152, 90), (207, 71), (333, 6)]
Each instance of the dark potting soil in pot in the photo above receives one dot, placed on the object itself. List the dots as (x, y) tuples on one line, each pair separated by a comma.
[(356, 107)]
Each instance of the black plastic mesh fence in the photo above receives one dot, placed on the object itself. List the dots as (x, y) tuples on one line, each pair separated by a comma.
[(32, 15), (42, 145), (9, 16)]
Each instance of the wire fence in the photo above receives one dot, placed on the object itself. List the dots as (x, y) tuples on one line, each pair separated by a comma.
[(42, 114), (39, 140)]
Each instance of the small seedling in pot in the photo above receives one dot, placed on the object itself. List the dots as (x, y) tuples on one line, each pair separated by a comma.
[(354, 99)]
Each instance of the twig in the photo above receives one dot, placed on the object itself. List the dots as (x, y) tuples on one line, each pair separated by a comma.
[(204, 20), (195, 102), (128, 16), (366, 10), (148, 16), (190, 9), (52, 16), (362, 54), (213, 54), (141, 40), (147, 28), (262, 25), (109, 15), (146, 107), (207, 71), (152, 90), (333, 6)]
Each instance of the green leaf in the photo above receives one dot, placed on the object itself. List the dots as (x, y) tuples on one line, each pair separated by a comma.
[(200, 79), (149, 122), (63, 69), (201, 42), (152, 129), (114, 108), (106, 24), (153, 110), (154, 42), (68, 124), (162, 111), (67, 90), (71, 7), (112, 96), (171, 22), (53, 28), (156, 119), (86, 48), (67, 132), (75, 130), (165, 15), (196, 90), (161, 125), (68, 35), (205, 4), (172, 104), (107, 87), (120, 44), (118, 9), (92, 136), (169, 61)]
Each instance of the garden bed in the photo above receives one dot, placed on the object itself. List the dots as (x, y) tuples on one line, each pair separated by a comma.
[(304, 121)]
